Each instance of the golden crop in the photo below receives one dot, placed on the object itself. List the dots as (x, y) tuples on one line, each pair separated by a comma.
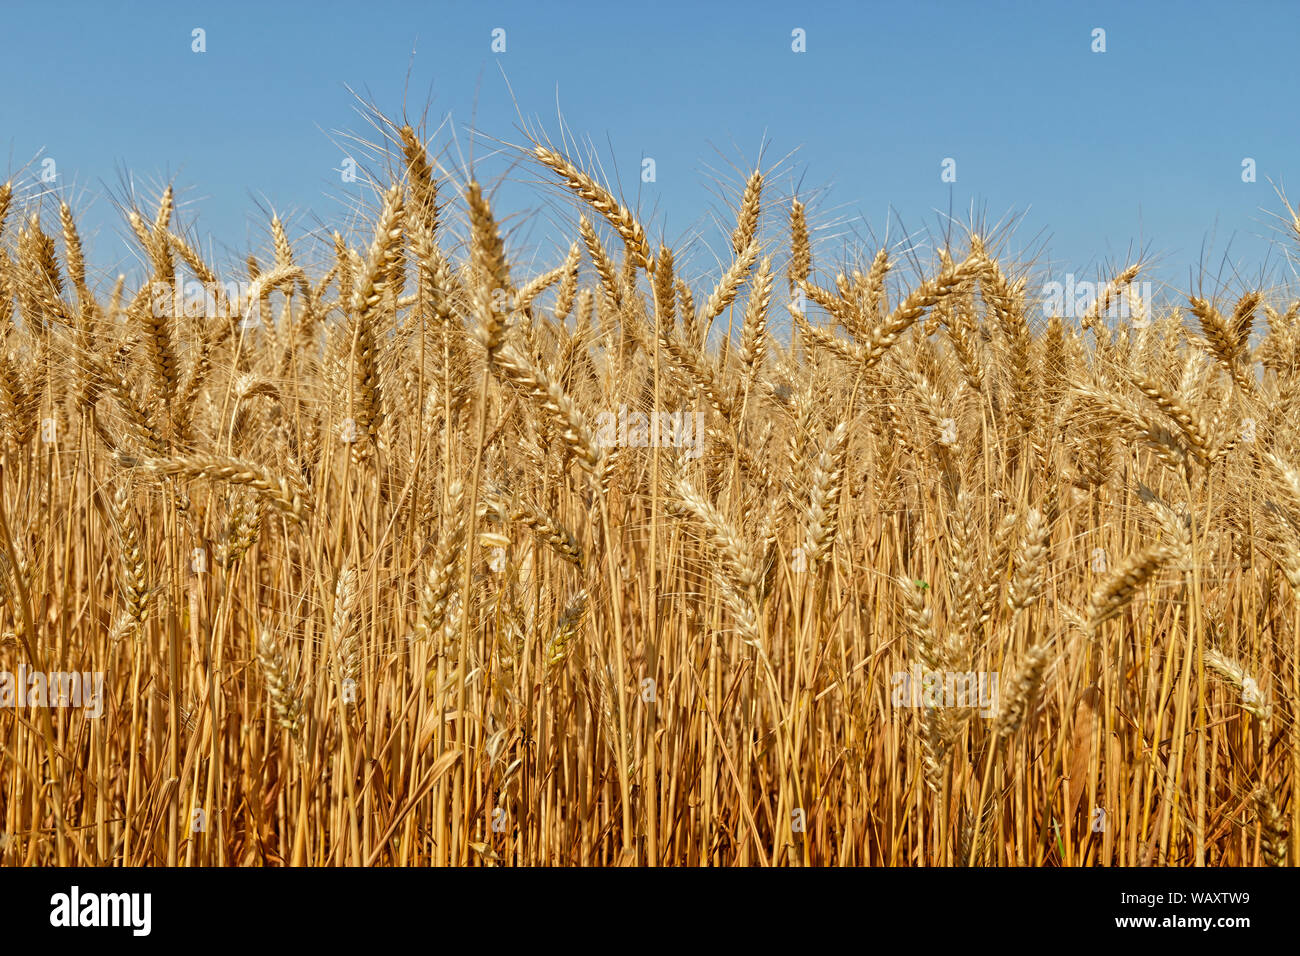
[(426, 558)]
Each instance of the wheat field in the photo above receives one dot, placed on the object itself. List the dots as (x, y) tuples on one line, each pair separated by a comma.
[(393, 551)]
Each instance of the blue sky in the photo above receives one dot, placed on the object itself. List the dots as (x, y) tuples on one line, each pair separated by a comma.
[(1097, 155)]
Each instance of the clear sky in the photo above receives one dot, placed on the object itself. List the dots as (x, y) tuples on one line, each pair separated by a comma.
[(1098, 155)]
